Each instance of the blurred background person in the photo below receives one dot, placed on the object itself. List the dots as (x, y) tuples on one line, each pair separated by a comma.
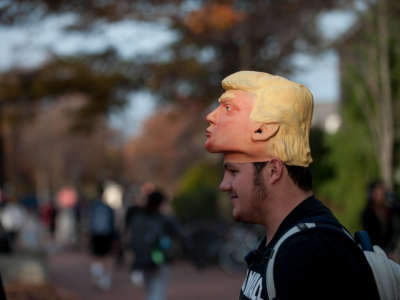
[(113, 197), (379, 218), (48, 214), (136, 205), (102, 236), (12, 219), (33, 236), (66, 221), (152, 233)]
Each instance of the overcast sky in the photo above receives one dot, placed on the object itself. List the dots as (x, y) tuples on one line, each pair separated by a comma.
[(320, 74)]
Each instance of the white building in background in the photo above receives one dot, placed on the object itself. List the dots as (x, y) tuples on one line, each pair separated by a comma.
[(326, 116)]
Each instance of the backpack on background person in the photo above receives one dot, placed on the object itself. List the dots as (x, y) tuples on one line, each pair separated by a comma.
[(101, 219), (150, 241)]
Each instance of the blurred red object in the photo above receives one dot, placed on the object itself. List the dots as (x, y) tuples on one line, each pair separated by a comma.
[(67, 197)]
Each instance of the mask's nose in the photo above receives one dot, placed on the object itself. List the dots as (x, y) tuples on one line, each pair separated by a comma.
[(212, 116)]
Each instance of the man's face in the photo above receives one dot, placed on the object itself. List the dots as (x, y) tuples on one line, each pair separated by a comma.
[(378, 194), (230, 128), (239, 182)]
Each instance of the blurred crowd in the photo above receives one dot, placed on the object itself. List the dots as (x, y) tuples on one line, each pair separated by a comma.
[(28, 224), (137, 230), (118, 228)]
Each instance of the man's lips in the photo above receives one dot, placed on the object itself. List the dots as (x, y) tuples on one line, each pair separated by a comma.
[(233, 196), (208, 133)]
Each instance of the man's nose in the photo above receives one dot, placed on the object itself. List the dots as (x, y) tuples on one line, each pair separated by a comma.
[(211, 117), (225, 185)]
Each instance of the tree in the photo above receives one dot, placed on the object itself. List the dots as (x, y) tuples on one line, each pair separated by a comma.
[(44, 154), (166, 146), (196, 196), (213, 39), (352, 157), (364, 149), (23, 91), (221, 37), (372, 80), (104, 88)]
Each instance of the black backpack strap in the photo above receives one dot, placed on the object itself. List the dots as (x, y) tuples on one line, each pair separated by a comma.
[(269, 271), (322, 220), (362, 238), (314, 223), (329, 223)]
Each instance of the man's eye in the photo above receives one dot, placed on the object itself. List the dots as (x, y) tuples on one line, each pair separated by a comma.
[(227, 107)]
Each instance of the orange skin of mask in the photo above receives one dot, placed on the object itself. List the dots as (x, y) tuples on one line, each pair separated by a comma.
[(232, 132)]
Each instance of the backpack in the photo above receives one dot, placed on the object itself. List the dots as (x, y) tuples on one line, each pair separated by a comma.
[(101, 219), (386, 272), (150, 241)]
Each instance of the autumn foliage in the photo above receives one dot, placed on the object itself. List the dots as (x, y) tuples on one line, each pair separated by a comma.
[(213, 17)]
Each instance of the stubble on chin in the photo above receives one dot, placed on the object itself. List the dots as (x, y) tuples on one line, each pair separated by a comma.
[(250, 216), (237, 216), (260, 193), (253, 213)]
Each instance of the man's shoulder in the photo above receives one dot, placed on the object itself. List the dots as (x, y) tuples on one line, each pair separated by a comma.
[(327, 258), (319, 243)]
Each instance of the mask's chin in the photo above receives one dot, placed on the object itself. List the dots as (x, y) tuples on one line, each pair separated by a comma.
[(210, 145)]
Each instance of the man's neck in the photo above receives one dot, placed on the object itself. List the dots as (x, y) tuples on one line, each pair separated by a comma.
[(281, 207)]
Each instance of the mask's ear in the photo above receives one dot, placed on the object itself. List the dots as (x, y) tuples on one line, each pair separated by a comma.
[(265, 131)]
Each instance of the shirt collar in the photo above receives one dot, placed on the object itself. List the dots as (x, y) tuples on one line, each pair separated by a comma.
[(310, 207)]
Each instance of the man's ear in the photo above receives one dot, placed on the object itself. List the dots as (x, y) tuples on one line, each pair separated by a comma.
[(276, 169), (264, 131)]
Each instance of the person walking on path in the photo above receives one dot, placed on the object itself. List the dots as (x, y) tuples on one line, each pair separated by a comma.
[(152, 234), (102, 237), (262, 127)]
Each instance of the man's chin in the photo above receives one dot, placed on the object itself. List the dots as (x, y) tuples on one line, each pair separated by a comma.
[(241, 219), (237, 217)]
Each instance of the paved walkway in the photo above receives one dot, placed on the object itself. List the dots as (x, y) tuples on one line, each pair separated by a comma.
[(71, 272)]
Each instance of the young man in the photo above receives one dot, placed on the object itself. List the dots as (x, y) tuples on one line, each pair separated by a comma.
[(262, 128)]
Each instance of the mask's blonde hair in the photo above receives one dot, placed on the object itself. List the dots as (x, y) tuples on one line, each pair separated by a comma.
[(280, 101)]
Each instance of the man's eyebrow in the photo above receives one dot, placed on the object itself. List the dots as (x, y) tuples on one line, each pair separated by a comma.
[(228, 165)]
